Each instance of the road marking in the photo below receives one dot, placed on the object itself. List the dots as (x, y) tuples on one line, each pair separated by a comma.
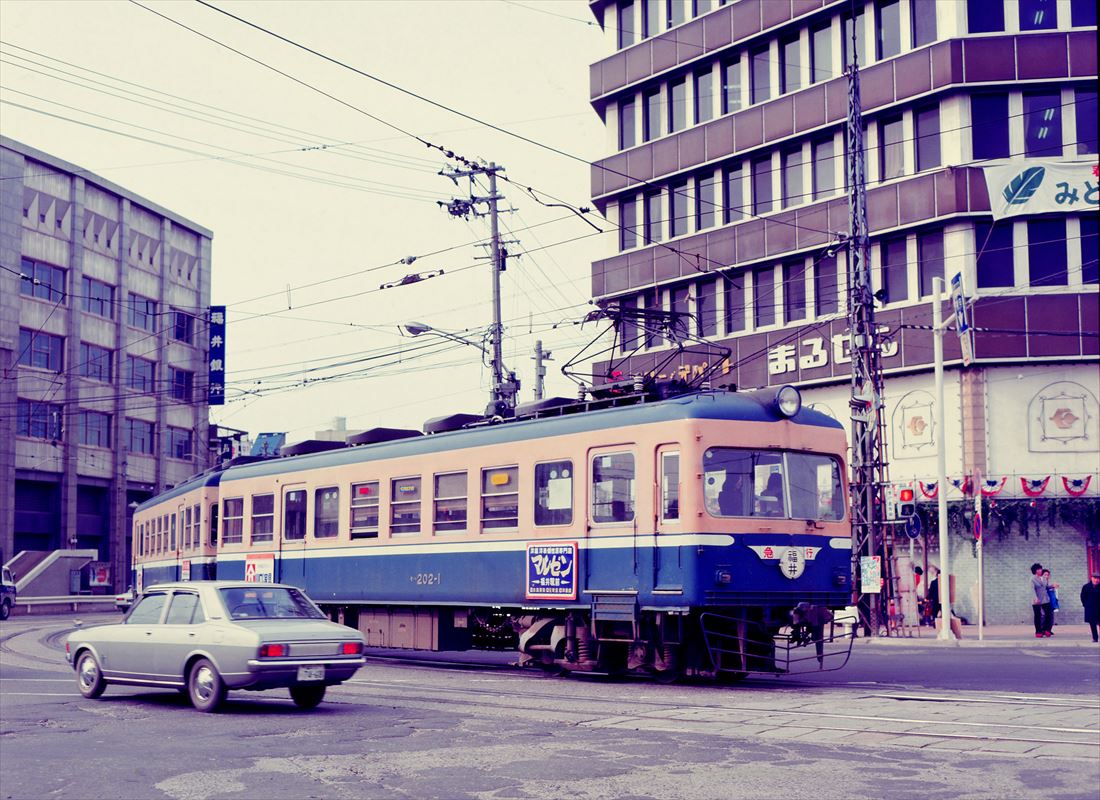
[(38, 680), (996, 699)]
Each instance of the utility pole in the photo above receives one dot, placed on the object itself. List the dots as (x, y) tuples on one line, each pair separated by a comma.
[(540, 368), (868, 468), (505, 384)]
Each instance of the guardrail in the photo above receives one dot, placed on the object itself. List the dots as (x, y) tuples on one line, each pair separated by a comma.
[(62, 604)]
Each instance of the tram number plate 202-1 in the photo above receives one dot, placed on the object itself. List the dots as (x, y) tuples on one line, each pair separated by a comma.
[(426, 578), (311, 673)]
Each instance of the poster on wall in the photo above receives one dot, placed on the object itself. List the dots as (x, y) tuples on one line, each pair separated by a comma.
[(1041, 187), (259, 568)]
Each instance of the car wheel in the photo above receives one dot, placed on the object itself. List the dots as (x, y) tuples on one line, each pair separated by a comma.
[(205, 686), (307, 696), (89, 677), (5, 610)]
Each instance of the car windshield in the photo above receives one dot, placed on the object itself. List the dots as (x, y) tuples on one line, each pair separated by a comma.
[(770, 483), (268, 603)]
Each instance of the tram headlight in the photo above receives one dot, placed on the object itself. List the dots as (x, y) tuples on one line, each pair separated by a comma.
[(788, 401)]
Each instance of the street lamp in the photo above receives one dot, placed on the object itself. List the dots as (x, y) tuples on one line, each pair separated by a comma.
[(503, 394)]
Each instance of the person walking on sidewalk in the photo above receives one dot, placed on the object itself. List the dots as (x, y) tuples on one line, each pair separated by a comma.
[(1040, 602), (1090, 599), (1052, 593)]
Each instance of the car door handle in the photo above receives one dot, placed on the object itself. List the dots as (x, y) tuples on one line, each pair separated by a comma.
[(148, 633)]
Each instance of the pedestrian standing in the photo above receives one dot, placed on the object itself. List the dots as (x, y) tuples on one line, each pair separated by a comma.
[(934, 598), (1040, 601), (1090, 599), (1052, 593)]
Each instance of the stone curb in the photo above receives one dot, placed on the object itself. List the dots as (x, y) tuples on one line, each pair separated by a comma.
[(1042, 644)]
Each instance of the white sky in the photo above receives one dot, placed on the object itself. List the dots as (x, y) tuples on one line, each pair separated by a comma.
[(358, 209)]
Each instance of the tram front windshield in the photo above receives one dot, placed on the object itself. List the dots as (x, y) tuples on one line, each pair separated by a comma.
[(739, 482)]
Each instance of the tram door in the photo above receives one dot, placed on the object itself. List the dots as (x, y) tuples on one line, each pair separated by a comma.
[(291, 564), (613, 547), (668, 573)]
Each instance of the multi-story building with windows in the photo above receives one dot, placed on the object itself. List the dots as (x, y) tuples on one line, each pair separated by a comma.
[(727, 180), (103, 302)]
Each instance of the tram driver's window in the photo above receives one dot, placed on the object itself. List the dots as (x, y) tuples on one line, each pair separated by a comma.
[(613, 487), (554, 493)]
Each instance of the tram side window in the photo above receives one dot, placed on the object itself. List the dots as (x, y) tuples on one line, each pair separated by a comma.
[(233, 519), (172, 540), (214, 524), (670, 486), (364, 510), (815, 487), (196, 525), (187, 528), (263, 517), (405, 505), (500, 498), (326, 513), (294, 515), (613, 487), (162, 523), (450, 502), (141, 539), (554, 493)]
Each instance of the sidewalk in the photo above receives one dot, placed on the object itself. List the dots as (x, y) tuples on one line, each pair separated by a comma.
[(1067, 635)]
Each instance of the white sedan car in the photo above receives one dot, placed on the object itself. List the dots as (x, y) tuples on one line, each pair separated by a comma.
[(207, 637)]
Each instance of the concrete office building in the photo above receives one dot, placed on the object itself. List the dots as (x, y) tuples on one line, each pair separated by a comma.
[(727, 172), (103, 352)]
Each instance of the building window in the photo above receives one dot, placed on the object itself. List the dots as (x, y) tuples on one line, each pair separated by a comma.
[(824, 167), (93, 428), (861, 38), (233, 520), (985, 16), (41, 350), (651, 17), (183, 383), (891, 149), (929, 260), (760, 64), (826, 286), (735, 306), (95, 362), (677, 105), (142, 313), (790, 65), (794, 291), (888, 28), (762, 186), (706, 203), (500, 497), (294, 515), (613, 487), (792, 178), (653, 217), (735, 194), (821, 53), (1083, 13), (41, 281), (38, 420), (994, 254), (678, 305), (681, 213), (763, 297), (926, 122), (140, 374), (629, 324), (651, 301), (1038, 15), (326, 512), (675, 12), (626, 24), (139, 436), (628, 223), (989, 126), (554, 493), (895, 270), (1085, 102), (364, 510), (1090, 266), (731, 86), (706, 307), (179, 443), (922, 22), (704, 96), (98, 297), (450, 502), (1046, 252), (405, 505), (183, 327), (1042, 124), (263, 517), (627, 113), (651, 125)]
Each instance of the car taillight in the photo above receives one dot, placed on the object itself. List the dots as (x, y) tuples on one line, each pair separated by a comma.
[(273, 650), (351, 648)]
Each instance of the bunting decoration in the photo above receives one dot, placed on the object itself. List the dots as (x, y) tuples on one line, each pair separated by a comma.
[(929, 490), (991, 486), (1034, 487), (1077, 486), (964, 484)]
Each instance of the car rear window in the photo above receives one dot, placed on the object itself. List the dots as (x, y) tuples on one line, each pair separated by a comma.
[(268, 603)]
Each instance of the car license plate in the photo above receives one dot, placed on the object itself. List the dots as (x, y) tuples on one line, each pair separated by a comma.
[(311, 673)]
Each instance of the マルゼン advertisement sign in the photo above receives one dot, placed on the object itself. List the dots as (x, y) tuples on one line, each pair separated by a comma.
[(552, 571)]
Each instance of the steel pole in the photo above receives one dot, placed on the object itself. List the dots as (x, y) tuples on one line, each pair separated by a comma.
[(498, 364), (941, 460), (981, 546)]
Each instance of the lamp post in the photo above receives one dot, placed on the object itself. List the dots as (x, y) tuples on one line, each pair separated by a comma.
[(504, 391)]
